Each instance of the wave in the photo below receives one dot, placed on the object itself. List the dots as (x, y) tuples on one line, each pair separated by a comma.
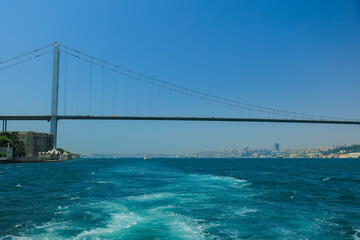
[(140, 223), (117, 223), (6, 237), (245, 211), (152, 196), (218, 180), (356, 235)]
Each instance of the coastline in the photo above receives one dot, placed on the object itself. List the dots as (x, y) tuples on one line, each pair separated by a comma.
[(34, 160)]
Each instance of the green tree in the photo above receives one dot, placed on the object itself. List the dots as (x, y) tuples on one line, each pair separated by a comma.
[(16, 143), (61, 150), (4, 142)]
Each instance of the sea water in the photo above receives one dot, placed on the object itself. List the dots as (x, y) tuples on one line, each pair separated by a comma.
[(181, 199)]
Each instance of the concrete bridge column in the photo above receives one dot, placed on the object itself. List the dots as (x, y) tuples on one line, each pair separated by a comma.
[(55, 92), (4, 126)]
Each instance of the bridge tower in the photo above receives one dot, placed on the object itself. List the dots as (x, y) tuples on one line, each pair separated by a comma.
[(55, 92)]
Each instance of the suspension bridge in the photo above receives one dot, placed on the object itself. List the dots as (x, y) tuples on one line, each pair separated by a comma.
[(94, 89)]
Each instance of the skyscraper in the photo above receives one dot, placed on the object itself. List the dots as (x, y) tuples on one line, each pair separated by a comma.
[(276, 147)]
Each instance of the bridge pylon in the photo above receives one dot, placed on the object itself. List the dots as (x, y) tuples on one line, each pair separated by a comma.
[(55, 92)]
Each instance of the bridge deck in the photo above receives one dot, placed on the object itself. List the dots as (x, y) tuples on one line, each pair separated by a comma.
[(209, 119)]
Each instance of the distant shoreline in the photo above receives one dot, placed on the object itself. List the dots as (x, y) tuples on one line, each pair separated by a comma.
[(34, 160), (159, 158), (193, 158)]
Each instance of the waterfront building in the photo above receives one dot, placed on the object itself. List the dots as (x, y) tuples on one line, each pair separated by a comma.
[(36, 142), (8, 151), (354, 155)]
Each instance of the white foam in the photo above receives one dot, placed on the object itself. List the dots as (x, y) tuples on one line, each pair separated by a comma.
[(244, 211), (16, 237), (152, 196), (325, 179), (287, 233), (356, 235), (122, 219), (240, 180), (215, 178), (161, 208), (52, 226), (61, 207), (117, 222), (183, 226), (102, 182)]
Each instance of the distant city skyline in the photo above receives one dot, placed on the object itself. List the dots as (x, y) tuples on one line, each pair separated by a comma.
[(345, 151), (299, 56)]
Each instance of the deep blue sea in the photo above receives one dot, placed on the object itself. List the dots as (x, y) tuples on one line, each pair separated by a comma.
[(181, 199)]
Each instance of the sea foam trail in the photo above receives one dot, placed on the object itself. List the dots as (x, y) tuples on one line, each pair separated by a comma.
[(143, 224), (166, 199), (115, 226), (167, 211)]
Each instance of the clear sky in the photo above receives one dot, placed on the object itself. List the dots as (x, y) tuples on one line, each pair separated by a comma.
[(298, 55)]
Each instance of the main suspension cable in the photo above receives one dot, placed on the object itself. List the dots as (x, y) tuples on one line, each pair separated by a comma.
[(25, 60), (22, 55)]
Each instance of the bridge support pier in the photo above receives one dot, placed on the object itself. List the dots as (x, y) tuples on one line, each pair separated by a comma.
[(55, 92), (53, 129), (4, 126)]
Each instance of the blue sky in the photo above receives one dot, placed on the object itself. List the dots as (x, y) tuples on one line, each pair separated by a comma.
[(300, 56)]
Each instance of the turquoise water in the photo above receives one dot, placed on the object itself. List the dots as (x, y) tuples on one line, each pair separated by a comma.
[(181, 199)]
